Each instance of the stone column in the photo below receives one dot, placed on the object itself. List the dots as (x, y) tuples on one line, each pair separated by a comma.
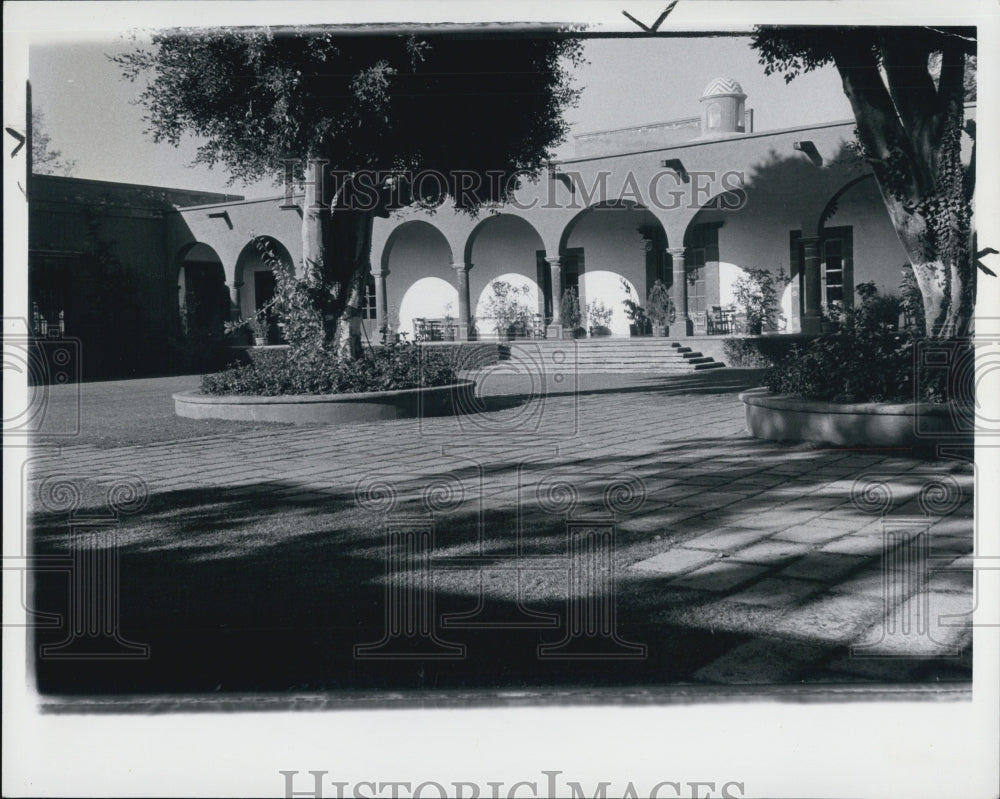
[(235, 309), (680, 291), (812, 289), (381, 304), (795, 322), (554, 329), (462, 284)]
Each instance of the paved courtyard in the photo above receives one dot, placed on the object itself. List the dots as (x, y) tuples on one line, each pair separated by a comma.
[(573, 532)]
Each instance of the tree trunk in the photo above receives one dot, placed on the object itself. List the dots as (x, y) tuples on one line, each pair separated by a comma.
[(917, 165), (336, 252), (943, 274), (348, 263), (315, 219)]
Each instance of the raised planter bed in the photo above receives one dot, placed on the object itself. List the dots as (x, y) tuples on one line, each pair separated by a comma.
[(329, 408), (780, 417)]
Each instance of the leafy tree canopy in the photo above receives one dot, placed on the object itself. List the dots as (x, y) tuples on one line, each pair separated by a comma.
[(447, 103), (907, 87), (44, 159)]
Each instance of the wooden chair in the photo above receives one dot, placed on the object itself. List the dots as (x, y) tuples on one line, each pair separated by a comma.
[(700, 319), (537, 326), (715, 320)]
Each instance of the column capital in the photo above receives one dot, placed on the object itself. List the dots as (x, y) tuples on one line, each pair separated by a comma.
[(461, 266), (553, 260), (676, 252), (380, 273), (234, 285)]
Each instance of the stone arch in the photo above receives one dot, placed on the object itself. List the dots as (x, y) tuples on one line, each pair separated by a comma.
[(503, 246), (252, 276), (611, 242), (203, 300), (858, 241), (716, 249), (415, 251), (427, 297), (830, 208), (415, 233)]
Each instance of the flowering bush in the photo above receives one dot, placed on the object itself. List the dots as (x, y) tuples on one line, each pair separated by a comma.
[(319, 371)]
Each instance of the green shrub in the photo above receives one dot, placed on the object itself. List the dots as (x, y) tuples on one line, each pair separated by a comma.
[(869, 360), (319, 371), (569, 309), (659, 305), (757, 292), (761, 352)]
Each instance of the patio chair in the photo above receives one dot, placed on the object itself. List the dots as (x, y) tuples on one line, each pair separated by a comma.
[(700, 319), (715, 321), (537, 326)]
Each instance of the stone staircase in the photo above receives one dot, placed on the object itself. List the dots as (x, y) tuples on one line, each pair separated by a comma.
[(660, 355)]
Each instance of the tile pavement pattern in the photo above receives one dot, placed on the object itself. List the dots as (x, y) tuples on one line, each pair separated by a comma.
[(781, 548)]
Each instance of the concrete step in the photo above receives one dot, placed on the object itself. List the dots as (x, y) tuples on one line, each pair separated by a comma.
[(647, 354)]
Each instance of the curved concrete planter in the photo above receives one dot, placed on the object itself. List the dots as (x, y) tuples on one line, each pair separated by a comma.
[(780, 417), (327, 408)]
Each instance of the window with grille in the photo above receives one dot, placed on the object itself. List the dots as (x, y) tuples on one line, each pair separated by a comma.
[(836, 265)]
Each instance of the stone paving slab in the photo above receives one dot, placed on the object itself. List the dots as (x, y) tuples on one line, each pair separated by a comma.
[(722, 532)]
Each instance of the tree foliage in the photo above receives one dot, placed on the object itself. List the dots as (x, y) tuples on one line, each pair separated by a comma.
[(907, 87), (392, 118), (44, 159), (431, 102)]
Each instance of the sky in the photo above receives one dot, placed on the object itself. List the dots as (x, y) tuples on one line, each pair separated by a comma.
[(91, 115)]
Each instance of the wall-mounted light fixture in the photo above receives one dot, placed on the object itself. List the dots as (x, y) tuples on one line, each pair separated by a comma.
[(223, 215), (562, 177), (808, 149), (676, 165)]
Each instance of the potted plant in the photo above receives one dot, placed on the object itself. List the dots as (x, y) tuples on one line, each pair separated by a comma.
[(509, 312), (830, 316), (258, 328), (756, 292), (599, 318), (572, 316), (450, 329), (639, 322), (660, 309), (391, 334)]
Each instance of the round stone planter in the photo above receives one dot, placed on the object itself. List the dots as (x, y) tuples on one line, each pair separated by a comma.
[(780, 417), (330, 408)]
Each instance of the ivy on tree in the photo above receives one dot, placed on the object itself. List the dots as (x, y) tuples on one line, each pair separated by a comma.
[(907, 87)]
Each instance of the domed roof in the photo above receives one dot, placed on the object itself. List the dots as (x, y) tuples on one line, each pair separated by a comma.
[(722, 86)]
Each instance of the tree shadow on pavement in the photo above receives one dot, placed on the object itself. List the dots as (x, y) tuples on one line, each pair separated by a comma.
[(709, 579)]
